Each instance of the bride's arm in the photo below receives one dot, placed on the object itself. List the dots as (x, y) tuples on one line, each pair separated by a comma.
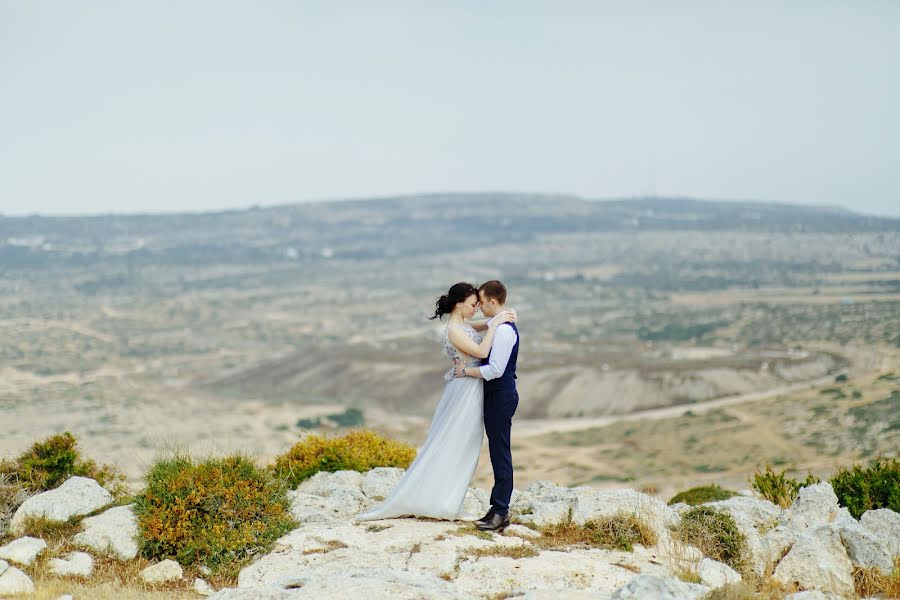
[(482, 324), (465, 344)]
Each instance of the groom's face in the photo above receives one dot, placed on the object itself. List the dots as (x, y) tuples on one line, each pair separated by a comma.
[(489, 306)]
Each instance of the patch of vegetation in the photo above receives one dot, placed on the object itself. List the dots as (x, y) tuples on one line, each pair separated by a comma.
[(12, 495), (618, 532), (872, 583), (359, 450), (352, 417), (678, 332), (778, 487), (522, 551), (884, 413), (219, 513), (702, 494), (865, 488), (330, 546), (49, 462), (715, 533), (49, 529)]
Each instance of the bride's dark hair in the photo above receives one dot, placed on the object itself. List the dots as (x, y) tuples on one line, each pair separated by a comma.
[(457, 293)]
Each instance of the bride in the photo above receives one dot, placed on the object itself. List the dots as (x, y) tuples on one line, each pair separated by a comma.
[(436, 482)]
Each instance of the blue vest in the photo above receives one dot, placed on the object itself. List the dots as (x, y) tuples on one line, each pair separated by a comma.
[(507, 381)]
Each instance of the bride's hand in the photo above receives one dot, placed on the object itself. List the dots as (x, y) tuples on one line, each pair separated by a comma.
[(507, 316)]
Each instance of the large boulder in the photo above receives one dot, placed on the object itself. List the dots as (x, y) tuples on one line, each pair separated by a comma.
[(23, 550), (817, 561), (113, 531), (75, 497), (644, 587), (543, 503), (864, 548)]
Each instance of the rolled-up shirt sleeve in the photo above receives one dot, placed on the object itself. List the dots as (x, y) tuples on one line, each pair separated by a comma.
[(504, 339)]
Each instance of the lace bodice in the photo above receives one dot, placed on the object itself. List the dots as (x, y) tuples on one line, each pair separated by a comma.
[(455, 353)]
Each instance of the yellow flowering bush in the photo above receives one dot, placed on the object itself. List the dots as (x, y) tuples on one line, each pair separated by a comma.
[(358, 450), (219, 512)]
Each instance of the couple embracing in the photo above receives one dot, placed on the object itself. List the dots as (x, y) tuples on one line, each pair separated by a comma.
[(480, 397)]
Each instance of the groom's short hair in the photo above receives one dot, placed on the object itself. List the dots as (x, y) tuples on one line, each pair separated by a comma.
[(493, 290)]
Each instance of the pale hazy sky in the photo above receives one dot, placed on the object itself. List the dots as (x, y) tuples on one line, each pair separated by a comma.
[(198, 105)]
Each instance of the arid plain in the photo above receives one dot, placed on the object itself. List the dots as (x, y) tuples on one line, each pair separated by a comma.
[(666, 342)]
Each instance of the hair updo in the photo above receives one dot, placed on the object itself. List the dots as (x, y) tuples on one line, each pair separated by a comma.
[(457, 293)]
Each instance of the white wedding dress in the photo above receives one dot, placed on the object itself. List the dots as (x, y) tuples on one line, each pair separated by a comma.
[(436, 482)]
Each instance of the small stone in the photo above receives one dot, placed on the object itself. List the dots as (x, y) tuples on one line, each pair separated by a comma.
[(201, 587), (66, 597), (79, 564), (716, 574), (23, 550), (644, 587), (13, 581), (167, 570), (522, 531)]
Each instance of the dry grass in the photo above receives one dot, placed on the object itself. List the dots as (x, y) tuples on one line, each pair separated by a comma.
[(751, 589), (714, 533), (618, 532), (12, 495), (463, 530), (872, 582), (523, 551)]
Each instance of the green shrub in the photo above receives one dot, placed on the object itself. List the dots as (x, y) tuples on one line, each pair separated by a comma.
[(866, 488), (48, 463), (778, 488), (219, 512), (715, 533), (352, 417), (702, 494), (359, 450)]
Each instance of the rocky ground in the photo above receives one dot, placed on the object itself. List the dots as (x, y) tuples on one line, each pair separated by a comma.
[(811, 549)]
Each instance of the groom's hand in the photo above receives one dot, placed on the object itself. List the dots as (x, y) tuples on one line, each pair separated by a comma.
[(459, 366)]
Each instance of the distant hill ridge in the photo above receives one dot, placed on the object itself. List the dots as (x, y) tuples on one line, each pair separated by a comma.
[(391, 226)]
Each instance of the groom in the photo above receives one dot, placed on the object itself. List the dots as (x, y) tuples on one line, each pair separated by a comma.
[(500, 402)]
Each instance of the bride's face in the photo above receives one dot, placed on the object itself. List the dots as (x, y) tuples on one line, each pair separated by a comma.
[(468, 307)]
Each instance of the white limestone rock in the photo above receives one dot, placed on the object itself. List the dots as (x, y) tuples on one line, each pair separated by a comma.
[(23, 550), (76, 564), (201, 587), (817, 561), (543, 503), (14, 582), (161, 572), (715, 574), (885, 524), (552, 571), (863, 547), (76, 496), (325, 483), (378, 483), (815, 505), (476, 502), (114, 531), (761, 514), (377, 582), (773, 546), (813, 595), (66, 597), (644, 587)]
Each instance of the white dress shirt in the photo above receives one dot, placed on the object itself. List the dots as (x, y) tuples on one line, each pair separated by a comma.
[(501, 349)]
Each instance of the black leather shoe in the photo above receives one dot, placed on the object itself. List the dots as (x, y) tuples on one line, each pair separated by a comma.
[(485, 518), (495, 523)]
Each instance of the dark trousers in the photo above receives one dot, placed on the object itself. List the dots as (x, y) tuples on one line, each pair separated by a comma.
[(499, 408)]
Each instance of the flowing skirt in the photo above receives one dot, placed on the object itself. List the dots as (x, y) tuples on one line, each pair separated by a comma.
[(436, 483)]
